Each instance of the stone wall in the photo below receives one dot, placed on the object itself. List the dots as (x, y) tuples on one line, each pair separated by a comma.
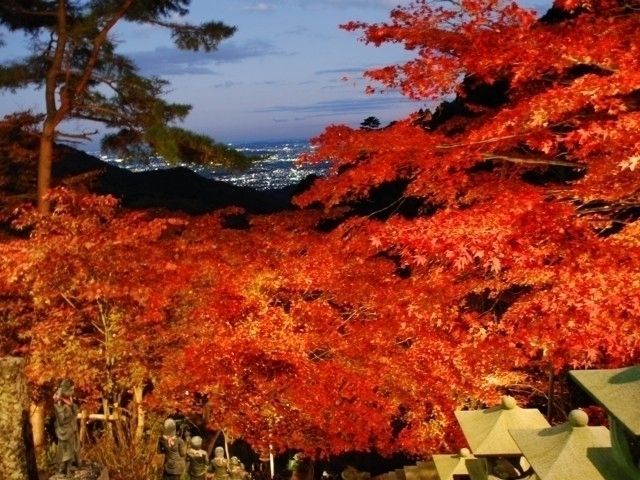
[(17, 456)]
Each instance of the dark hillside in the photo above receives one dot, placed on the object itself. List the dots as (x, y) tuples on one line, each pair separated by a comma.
[(172, 189)]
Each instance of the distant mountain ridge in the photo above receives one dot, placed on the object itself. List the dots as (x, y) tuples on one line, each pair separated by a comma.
[(174, 188)]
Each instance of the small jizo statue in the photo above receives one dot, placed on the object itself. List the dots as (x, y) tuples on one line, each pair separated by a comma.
[(220, 465), (197, 459), (66, 427), (301, 467), (236, 469), (174, 450)]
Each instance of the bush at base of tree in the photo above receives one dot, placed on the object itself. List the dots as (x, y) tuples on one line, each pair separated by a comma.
[(125, 457)]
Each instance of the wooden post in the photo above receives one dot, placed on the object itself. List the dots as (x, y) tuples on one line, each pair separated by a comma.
[(18, 459), (36, 416), (97, 416), (106, 413), (550, 400), (83, 415), (271, 464)]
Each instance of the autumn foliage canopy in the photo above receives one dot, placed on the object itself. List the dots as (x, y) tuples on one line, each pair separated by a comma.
[(445, 259)]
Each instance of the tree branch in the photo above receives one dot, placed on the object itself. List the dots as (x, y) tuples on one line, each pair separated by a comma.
[(98, 42), (480, 142), (56, 65), (78, 136), (536, 161)]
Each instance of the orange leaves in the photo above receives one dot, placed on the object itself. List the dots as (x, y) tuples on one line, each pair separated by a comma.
[(445, 39), (630, 163), (451, 246), (523, 235)]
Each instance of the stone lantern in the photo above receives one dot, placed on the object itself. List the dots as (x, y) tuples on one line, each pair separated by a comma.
[(487, 432), (618, 392), (453, 467), (572, 450)]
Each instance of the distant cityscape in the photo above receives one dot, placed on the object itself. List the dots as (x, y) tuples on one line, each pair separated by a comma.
[(275, 166)]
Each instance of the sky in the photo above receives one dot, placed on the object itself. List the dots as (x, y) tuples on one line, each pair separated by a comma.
[(280, 77)]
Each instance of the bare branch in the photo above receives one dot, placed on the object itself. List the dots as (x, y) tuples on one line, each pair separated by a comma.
[(56, 65), (66, 299), (536, 161), (480, 142), (77, 136), (98, 43)]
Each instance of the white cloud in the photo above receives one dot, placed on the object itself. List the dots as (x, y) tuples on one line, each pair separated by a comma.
[(369, 3), (172, 61), (260, 7), (273, 4)]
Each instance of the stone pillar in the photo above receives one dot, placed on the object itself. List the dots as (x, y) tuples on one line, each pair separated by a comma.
[(17, 455)]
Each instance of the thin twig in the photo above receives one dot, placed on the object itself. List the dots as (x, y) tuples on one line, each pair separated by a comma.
[(480, 142), (66, 299), (537, 161)]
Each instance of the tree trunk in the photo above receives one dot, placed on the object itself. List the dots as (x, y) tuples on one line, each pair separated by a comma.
[(107, 423), (37, 426), (226, 444), (18, 459), (45, 162), (140, 414)]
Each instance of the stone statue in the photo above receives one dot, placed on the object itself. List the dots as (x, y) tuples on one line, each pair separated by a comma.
[(352, 473), (301, 467), (197, 459), (236, 469), (505, 468), (174, 450), (66, 427), (220, 465)]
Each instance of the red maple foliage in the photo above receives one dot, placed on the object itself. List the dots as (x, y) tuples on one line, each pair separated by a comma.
[(456, 254), (516, 200), (528, 179)]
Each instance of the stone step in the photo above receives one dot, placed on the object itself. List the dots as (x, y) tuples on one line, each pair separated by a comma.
[(427, 471), (388, 476), (411, 472), (423, 470)]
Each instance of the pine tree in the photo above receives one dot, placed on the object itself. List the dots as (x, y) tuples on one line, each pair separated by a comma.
[(74, 60)]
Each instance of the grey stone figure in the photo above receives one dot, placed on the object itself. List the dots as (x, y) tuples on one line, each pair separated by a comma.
[(197, 459), (174, 450), (220, 465), (236, 469), (66, 427), (301, 467)]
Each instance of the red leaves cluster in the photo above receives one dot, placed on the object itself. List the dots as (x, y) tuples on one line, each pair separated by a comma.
[(361, 325), (572, 100), (279, 327), (526, 240)]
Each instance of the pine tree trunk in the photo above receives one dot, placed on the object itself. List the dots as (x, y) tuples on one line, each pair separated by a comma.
[(18, 460), (45, 162)]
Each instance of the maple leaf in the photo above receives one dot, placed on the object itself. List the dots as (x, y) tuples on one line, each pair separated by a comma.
[(630, 163), (375, 242), (420, 260)]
